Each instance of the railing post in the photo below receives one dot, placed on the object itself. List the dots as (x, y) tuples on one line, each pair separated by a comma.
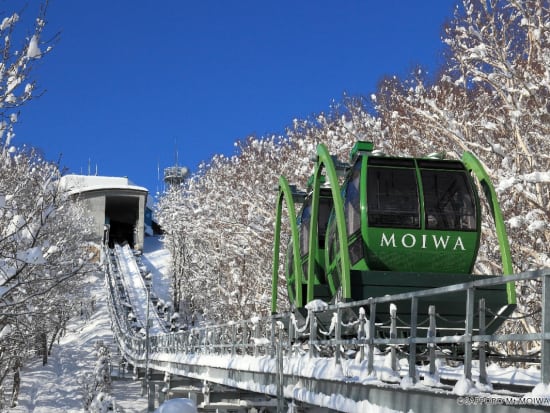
[(468, 333), (291, 334), (545, 352), (207, 341), (165, 391), (370, 338), (337, 334), (220, 340), (280, 373), (215, 339), (151, 397), (482, 344), (412, 340), (233, 339), (194, 341), (272, 347), (256, 337), (393, 335), (432, 331), (245, 337), (206, 387), (361, 333), (144, 384), (161, 396), (312, 332)]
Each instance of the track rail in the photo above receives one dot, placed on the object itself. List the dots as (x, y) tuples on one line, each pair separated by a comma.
[(136, 290)]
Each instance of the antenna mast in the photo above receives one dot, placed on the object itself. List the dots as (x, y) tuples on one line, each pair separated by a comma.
[(175, 175)]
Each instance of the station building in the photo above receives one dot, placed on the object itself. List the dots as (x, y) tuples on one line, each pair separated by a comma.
[(121, 210)]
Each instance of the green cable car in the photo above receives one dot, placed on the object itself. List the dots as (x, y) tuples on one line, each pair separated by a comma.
[(396, 225)]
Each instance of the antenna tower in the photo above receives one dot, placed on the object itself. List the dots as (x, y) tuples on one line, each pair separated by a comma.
[(175, 175)]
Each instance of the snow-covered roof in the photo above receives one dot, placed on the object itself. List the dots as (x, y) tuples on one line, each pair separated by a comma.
[(86, 183)]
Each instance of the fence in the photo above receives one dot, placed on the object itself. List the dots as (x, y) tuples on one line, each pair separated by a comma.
[(281, 335)]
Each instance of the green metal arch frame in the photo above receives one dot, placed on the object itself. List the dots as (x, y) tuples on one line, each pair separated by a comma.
[(285, 193), (474, 165), (325, 160)]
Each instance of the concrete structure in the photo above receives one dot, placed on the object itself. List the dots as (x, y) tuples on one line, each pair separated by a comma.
[(116, 204)]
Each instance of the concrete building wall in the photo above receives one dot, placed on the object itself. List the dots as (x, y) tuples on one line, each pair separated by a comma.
[(126, 205), (113, 201), (96, 207), (139, 239)]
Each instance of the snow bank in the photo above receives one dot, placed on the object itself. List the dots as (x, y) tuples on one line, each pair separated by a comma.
[(541, 390), (177, 406)]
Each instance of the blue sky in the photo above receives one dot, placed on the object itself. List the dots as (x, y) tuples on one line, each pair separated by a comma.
[(129, 81)]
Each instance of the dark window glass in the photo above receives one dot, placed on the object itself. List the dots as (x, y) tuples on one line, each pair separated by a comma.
[(352, 205), (333, 251), (356, 250), (440, 164), (393, 162), (449, 200), (332, 239), (325, 206), (290, 259), (392, 198)]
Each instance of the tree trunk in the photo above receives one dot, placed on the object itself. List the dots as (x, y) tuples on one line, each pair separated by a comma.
[(44, 345), (16, 383), (16, 386), (52, 341)]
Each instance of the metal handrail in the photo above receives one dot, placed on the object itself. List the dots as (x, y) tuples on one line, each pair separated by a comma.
[(258, 336), (486, 282)]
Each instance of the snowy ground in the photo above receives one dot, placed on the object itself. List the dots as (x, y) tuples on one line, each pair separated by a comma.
[(57, 387), (157, 261)]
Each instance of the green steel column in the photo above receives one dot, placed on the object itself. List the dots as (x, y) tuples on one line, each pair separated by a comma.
[(325, 160), (313, 233), (285, 193), (474, 165)]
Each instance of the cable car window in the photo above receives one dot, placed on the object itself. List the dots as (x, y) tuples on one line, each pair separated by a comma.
[(325, 206), (393, 162), (305, 221), (332, 240), (449, 201), (290, 259), (352, 205), (392, 198), (440, 164), (333, 251)]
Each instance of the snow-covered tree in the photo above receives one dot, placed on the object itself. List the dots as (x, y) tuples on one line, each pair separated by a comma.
[(97, 388), (19, 53), (489, 97), (219, 224), (502, 47), (39, 226), (39, 264)]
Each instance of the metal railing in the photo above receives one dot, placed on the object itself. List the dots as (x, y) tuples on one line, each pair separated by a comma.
[(282, 336), (367, 329)]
